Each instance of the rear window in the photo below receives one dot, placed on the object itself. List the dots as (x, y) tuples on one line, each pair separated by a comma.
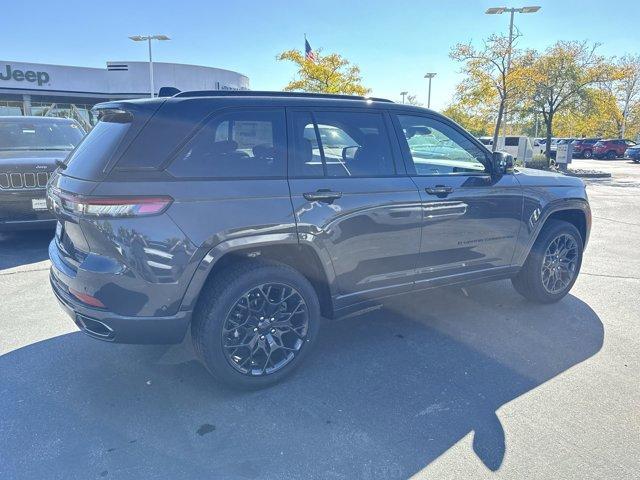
[(512, 141), (89, 159), (39, 135)]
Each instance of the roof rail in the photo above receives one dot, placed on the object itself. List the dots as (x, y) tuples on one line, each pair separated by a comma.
[(257, 93)]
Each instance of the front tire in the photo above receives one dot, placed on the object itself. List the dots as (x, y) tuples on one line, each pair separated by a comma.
[(587, 154), (255, 323), (611, 155), (553, 263)]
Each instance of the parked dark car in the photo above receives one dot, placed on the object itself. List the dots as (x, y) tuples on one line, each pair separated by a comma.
[(633, 153), (611, 148), (248, 216), (583, 147), (29, 149)]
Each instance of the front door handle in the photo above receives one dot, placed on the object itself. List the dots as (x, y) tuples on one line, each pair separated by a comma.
[(322, 195), (439, 190)]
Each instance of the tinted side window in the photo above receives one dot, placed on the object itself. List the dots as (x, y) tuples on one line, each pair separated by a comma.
[(512, 141), (341, 144), (241, 143), (436, 148), (91, 155)]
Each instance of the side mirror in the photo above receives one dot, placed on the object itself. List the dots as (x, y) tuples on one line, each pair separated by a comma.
[(502, 163), (348, 153)]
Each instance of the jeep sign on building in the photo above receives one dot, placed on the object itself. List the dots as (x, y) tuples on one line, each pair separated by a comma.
[(57, 90)]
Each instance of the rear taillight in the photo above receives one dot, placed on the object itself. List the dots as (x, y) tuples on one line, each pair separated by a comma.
[(109, 207)]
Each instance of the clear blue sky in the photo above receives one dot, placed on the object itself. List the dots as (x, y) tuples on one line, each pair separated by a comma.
[(393, 42)]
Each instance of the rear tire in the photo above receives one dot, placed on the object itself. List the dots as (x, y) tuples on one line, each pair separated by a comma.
[(611, 155), (240, 330), (542, 278), (587, 154)]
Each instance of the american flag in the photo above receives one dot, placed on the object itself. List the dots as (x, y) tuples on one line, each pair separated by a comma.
[(308, 53)]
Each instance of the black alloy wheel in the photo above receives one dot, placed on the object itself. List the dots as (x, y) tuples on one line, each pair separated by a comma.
[(265, 329), (559, 266), (255, 323)]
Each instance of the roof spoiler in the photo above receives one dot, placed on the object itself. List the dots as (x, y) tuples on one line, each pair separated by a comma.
[(168, 91)]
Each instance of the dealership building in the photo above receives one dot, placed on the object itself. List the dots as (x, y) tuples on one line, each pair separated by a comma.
[(66, 91)]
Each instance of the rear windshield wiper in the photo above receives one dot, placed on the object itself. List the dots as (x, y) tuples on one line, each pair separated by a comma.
[(60, 164)]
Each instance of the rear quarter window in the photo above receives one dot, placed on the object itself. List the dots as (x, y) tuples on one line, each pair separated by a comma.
[(241, 143), (91, 156)]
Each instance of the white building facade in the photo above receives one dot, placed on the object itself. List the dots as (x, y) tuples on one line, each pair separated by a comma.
[(66, 91)]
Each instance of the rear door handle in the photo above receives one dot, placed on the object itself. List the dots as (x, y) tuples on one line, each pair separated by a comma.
[(439, 190), (322, 195)]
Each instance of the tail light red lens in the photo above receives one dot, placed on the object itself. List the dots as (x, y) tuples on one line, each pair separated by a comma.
[(110, 207)]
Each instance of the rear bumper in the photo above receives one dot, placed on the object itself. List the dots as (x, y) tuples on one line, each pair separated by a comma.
[(105, 325)]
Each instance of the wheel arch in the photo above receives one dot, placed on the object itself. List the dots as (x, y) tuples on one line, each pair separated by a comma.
[(314, 265), (574, 216), (575, 211)]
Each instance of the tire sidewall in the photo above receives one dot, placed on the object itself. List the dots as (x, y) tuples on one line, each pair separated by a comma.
[(209, 335), (550, 232)]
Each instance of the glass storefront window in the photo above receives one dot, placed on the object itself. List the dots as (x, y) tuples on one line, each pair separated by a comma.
[(8, 108), (80, 112)]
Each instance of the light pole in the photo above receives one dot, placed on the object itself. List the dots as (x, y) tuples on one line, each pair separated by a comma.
[(148, 38), (512, 12), (403, 95), (429, 76)]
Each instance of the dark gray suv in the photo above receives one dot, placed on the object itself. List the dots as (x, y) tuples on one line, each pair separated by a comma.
[(248, 216)]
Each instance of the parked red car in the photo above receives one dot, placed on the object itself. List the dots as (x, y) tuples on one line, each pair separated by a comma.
[(611, 148), (583, 147)]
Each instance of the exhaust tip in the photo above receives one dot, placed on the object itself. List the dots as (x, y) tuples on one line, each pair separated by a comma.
[(95, 328)]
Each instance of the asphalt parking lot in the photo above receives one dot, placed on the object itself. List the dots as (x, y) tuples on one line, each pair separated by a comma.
[(448, 384)]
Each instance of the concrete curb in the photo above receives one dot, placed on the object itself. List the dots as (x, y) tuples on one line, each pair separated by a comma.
[(588, 174)]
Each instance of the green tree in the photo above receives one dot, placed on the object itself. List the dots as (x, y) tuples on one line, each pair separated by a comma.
[(327, 74)]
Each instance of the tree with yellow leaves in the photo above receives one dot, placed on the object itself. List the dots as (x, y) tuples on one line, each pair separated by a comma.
[(595, 115), (560, 78), (326, 74), (490, 80), (625, 88)]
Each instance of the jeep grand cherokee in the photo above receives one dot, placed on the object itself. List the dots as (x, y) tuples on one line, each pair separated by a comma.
[(248, 216), (29, 149)]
